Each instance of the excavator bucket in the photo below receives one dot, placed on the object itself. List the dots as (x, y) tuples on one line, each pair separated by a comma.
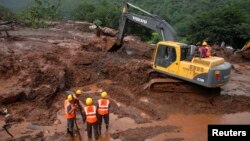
[(114, 48), (113, 45)]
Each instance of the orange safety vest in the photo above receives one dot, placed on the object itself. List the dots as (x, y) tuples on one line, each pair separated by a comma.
[(208, 51), (68, 115), (103, 105), (90, 112)]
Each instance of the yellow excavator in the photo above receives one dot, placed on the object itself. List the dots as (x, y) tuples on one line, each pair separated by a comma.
[(245, 50), (173, 58)]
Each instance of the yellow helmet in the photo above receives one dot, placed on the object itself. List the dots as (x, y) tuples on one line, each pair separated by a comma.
[(104, 94), (78, 92), (89, 101), (70, 97), (204, 43)]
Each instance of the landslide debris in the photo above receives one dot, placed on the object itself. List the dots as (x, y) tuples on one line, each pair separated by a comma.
[(38, 65)]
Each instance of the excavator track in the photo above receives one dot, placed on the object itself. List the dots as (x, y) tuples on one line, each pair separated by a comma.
[(168, 85), (158, 82)]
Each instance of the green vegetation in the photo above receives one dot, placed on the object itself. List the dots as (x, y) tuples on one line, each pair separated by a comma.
[(6, 14), (155, 37), (193, 20), (106, 12), (229, 25), (38, 12)]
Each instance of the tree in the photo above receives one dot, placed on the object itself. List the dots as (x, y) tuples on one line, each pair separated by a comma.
[(227, 24), (6, 14), (39, 11), (108, 13)]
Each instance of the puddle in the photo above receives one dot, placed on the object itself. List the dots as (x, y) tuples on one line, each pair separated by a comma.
[(194, 127)]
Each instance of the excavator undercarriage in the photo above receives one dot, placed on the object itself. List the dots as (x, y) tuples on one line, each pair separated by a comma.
[(159, 82)]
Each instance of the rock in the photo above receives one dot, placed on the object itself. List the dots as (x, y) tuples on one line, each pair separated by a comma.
[(57, 122), (8, 118), (115, 135), (236, 67), (12, 96), (61, 79), (39, 136), (236, 57), (84, 62), (33, 127), (27, 82), (29, 95), (3, 111), (228, 52), (2, 123), (109, 31), (246, 54)]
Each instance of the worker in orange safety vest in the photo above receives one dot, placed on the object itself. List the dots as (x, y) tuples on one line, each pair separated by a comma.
[(90, 116), (78, 102), (208, 49), (103, 110), (69, 108)]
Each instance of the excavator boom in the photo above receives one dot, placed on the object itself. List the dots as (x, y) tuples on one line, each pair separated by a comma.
[(150, 21)]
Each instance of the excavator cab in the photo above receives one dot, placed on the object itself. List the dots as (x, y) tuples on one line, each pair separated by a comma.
[(165, 56)]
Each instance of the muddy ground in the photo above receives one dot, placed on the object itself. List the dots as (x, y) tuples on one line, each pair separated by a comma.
[(37, 66)]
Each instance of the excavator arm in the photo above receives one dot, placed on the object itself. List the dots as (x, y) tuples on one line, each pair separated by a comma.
[(150, 21)]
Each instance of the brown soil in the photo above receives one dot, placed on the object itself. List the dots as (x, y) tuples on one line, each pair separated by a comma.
[(140, 134), (37, 66)]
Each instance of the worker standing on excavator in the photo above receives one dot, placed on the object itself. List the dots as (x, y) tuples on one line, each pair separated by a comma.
[(90, 116), (69, 108), (103, 110), (207, 48), (202, 51)]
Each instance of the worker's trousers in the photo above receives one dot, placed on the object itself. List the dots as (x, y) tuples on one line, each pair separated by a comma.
[(70, 124), (95, 128), (105, 117)]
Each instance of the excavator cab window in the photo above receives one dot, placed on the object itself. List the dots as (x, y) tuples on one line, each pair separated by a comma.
[(184, 53), (188, 52), (165, 56)]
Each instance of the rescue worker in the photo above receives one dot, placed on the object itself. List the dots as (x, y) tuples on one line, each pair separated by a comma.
[(90, 116), (78, 103), (103, 110), (202, 51), (69, 108), (76, 96), (208, 49)]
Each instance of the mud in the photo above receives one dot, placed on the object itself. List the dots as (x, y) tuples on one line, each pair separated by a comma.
[(140, 134), (37, 66)]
